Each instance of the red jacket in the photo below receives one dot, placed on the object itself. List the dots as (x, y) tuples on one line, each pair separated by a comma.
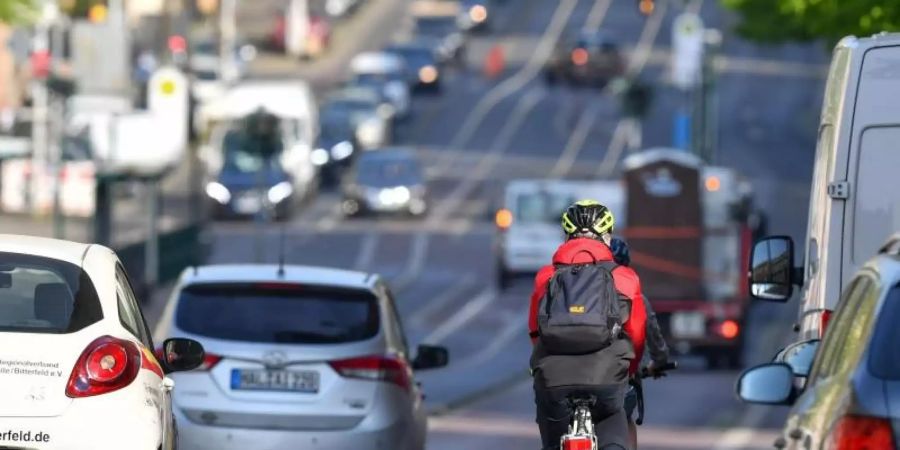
[(580, 251)]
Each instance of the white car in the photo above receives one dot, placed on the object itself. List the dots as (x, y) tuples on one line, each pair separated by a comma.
[(528, 223), (77, 367), (298, 357)]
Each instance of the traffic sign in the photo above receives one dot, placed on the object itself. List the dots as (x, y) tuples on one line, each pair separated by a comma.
[(167, 100), (687, 50)]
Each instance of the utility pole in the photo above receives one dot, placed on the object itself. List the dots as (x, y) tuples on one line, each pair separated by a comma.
[(227, 38), (40, 50)]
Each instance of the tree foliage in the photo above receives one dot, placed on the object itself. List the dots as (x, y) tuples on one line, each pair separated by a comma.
[(17, 11), (776, 21)]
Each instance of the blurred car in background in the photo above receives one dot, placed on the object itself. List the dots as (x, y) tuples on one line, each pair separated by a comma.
[(79, 367), (847, 394), (385, 181), (592, 59), (251, 181), (475, 15), (449, 42), (296, 355), (422, 71), (385, 72), (528, 230), (351, 119)]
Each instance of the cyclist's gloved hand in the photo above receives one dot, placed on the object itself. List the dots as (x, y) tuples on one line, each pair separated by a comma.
[(654, 369), (620, 252)]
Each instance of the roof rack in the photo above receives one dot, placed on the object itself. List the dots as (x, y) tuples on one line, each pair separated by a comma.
[(892, 246)]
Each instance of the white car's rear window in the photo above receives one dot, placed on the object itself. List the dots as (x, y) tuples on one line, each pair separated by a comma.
[(278, 313), (44, 295)]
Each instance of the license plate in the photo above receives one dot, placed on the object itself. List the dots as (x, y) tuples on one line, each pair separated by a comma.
[(275, 380), (688, 325), (249, 204)]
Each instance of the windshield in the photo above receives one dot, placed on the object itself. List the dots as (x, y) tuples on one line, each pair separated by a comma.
[(415, 56), (346, 113), (278, 314), (245, 154), (388, 172), (546, 207), (436, 26), (377, 79), (43, 295)]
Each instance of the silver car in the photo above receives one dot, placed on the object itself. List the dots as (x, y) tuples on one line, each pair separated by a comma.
[(297, 357)]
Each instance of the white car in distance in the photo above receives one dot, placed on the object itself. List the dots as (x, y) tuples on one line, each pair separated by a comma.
[(77, 367), (299, 357)]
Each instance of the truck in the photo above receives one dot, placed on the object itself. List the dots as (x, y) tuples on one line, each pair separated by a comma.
[(690, 227)]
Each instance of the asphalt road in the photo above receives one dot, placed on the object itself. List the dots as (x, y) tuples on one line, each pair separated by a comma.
[(480, 133)]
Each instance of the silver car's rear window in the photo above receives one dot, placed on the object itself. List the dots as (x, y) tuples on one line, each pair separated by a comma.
[(45, 295), (278, 313)]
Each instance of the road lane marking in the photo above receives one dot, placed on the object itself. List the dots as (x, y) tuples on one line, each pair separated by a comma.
[(576, 141), (452, 292), (613, 152), (514, 328), (455, 322), (516, 82), (415, 263), (366, 251), (465, 187), (597, 14)]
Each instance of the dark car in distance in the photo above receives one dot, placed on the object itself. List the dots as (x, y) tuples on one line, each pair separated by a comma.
[(449, 42), (592, 59), (422, 67), (385, 181), (250, 182)]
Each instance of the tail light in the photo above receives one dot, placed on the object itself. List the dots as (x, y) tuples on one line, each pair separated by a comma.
[(106, 365), (378, 368), (209, 361), (861, 433), (823, 322), (578, 443), (729, 329), (579, 56)]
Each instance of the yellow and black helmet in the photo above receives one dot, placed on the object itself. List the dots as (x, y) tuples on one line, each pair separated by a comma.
[(587, 216)]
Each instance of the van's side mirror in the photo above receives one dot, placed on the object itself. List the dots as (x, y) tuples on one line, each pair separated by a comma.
[(768, 384), (431, 357), (772, 274)]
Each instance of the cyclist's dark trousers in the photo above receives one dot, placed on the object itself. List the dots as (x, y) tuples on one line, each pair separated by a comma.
[(554, 413)]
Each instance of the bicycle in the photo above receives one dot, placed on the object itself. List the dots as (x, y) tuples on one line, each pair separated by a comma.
[(581, 434)]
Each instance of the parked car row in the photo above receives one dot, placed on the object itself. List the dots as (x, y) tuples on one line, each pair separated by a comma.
[(841, 375)]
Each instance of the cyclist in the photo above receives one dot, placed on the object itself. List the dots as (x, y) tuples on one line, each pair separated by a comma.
[(656, 343), (604, 374)]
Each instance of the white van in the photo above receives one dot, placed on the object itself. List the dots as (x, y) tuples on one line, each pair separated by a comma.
[(855, 198)]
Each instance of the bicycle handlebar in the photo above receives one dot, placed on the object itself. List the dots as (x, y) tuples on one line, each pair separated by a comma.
[(671, 365)]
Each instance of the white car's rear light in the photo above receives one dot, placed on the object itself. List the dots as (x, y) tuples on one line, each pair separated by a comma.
[(106, 365)]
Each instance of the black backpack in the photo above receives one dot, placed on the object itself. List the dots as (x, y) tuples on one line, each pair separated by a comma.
[(580, 312)]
